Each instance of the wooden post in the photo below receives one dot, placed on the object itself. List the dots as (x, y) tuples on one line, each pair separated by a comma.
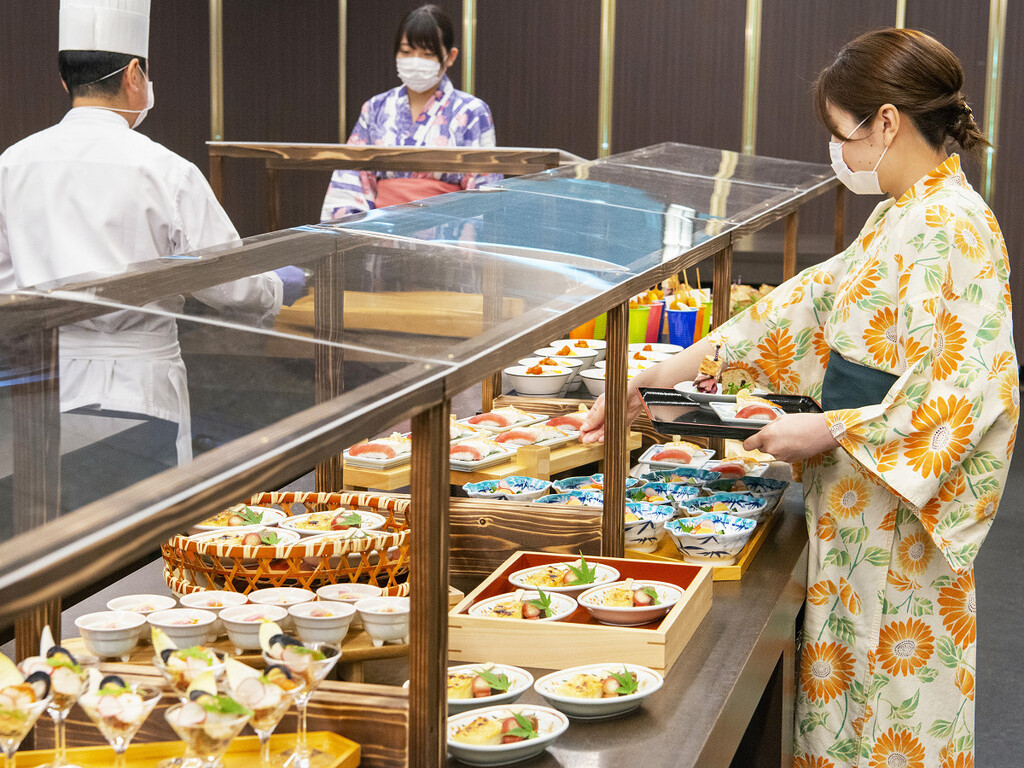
[(840, 219), (616, 454), (35, 443), (273, 199), (721, 286), (329, 361), (493, 314), (428, 583), (217, 176), (789, 246), (490, 388)]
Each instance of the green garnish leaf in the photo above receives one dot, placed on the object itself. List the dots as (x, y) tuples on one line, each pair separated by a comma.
[(224, 704), (312, 652), (497, 682), (353, 518), (584, 573), (196, 652), (652, 593), (112, 690), (525, 729), (270, 539), (251, 516), (543, 602), (627, 683), (57, 661)]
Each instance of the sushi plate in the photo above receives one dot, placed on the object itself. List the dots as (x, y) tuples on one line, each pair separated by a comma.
[(533, 418), (553, 441), (363, 461), (700, 458), (727, 413), (487, 461), (687, 388)]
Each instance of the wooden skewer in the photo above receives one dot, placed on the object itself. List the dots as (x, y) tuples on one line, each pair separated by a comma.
[(698, 279), (686, 282)]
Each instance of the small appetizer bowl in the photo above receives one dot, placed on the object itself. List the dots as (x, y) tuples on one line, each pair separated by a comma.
[(645, 525), (600, 345), (585, 356), (269, 517), (514, 488), (519, 681), (764, 487), (580, 483), (736, 504), (555, 691), (323, 621), (635, 616), (565, 362), (663, 493), (593, 380), (214, 600), (185, 626), (314, 523), (143, 605), (574, 498), (682, 476), (550, 725), (603, 574), (386, 619), (706, 547), (284, 597), (550, 381), (351, 594), (660, 349), (562, 606), (111, 634), (242, 623)]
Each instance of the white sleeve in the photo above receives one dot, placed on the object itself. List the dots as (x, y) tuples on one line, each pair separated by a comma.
[(200, 222)]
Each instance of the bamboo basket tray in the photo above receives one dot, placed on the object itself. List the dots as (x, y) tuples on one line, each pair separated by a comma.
[(580, 639), (244, 752), (381, 558)]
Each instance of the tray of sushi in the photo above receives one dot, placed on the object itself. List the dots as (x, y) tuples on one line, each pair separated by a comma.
[(677, 454), (536, 434), (381, 453), (474, 453), (501, 419)]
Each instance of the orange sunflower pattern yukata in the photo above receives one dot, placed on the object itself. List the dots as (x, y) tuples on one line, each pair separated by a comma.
[(897, 513)]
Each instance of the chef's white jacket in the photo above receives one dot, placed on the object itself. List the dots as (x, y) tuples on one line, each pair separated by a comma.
[(91, 195)]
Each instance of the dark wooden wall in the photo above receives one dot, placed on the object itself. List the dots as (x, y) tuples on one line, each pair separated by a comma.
[(678, 77)]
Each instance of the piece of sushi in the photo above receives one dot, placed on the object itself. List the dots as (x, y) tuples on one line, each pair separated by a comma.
[(731, 470), (757, 411), (529, 435), (500, 417), (382, 448), (573, 421), (476, 449), (673, 454)]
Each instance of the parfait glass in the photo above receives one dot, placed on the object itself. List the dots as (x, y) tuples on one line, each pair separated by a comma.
[(120, 724), (264, 719), (16, 720), (179, 679), (60, 705), (206, 742), (312, 671)]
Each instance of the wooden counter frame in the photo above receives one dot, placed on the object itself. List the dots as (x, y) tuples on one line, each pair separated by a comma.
[(60, 558)]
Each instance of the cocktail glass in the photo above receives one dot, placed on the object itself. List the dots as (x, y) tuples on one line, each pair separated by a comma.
[(120, 725), (312, 671), (16, 720), (60, 706), (265, 718), (180, 679), (205, 743)]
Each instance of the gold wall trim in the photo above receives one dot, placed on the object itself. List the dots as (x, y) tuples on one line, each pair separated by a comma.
[(342, 69), (217, 70), (901, 14), (993, 92), (751, 72), (469, 45), (606, 79)]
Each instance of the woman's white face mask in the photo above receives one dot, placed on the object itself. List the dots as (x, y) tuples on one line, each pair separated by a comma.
[(858, 182), (418, 74)]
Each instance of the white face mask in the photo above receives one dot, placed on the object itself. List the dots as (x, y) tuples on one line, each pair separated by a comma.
[(858, 182), (150, 99), (418, 74)]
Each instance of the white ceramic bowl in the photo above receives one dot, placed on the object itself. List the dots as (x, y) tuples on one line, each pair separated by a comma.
[(351, 594), (633, 367), (143, 605), (604, 575), (711, 548), (599, 345), (214, 600), (565, 362), (512, 488), (593, 380), (585, 356), (242, 623), (562, 606), (323, 621), (269, 518), (111, 634), (668, 596), (551, 380), (386, 619), (519, 682), (661, 349), (648, 681), (185, 626), (550, 725), (369, 521), (284, 597)]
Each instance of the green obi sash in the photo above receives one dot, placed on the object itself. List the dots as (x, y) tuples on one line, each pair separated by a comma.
[(850, 385)]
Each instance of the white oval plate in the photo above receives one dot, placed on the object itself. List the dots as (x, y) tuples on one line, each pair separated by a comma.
[(668, 596), (648, 681), (550, 725), (519, 682), (369, 521), (727, 413), (563, 605), (699, 459), (605, 575), (688, 388)]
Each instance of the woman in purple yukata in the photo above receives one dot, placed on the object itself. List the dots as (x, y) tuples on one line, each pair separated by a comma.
[(425, 111)]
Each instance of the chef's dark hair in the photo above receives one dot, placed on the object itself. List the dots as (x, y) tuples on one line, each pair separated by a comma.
[(427, 28), (82, 71), (912, 71)]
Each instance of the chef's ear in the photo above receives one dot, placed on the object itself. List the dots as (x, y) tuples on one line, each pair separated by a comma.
[(64, 86)]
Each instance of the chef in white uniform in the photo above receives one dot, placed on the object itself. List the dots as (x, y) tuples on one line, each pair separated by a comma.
[(93, 195)]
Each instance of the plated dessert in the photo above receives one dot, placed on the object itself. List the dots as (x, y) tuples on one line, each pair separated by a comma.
[(352, 520), (500, 735), (242, 515), (631, 603), (471, 686), (525, 606), (597, 691), (564, 578)]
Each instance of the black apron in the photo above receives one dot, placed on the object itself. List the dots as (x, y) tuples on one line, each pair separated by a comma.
[(851, 385)]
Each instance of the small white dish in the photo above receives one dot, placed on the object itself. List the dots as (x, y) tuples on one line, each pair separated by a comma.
[(603, 574), (599, 345), (648, 681), (490, 453), (214, 600), (268, 517), (593, 380), (351, 594), (727, 413), (562, 606), (386, 619), (243, 622), (550, 725), (111, 634), (548, 382), (519, 681), (284, 597), (586, 356), (143, 605), (398, 444), (657, 348), (314, 523), (500, 419), (185, 626), (668, 596), (323, 621), (734, 469), (666, 455)]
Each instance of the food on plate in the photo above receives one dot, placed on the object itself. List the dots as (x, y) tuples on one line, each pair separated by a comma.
[(735, 468), (115, 706), (563, 575), (208, 721), (529, 435), (516, 608), (475, 449), (565, 352), (240, 514), (758, 411), (382, 448), (706, 527), (299, 659), (500, 417), (707, 374), (742, 296), (477, 684), (629, 596), (457, 431), (591, 685), (262, 692), (676, 454), (264, 538), (535, 370), (18, 691), (573, 421), (639, 356), (330, 521), (548, 361), (582, 344), (491, 731)]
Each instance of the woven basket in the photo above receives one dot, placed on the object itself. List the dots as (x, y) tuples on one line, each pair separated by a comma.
[(382, 558)]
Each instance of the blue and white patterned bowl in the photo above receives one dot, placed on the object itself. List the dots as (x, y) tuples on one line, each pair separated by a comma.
[(682, 476), (764, 487), (514, 488), (711, 548), (740, 505), (676, 494), (586, 498), (644, 533), (575, 483)]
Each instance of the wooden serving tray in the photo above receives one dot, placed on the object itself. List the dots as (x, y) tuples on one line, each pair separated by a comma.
[(580, 639), (667, 552), (244, 752)]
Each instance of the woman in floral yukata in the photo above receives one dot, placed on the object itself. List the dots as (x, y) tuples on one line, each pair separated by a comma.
[(906, 339), (425, 111)]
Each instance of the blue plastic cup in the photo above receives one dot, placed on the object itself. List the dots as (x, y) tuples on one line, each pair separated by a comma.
[(681, 325)]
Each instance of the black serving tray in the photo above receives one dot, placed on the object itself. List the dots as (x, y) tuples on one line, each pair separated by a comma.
[(675, 413)]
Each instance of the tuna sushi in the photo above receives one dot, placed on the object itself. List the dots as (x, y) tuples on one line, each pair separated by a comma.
[(473, 450), (731, 470), (529, 435), (573, 421), (382, 448), (500, 417), (673, 454)]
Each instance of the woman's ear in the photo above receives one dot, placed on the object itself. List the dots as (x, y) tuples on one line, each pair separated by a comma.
[(890, 122), (453, 54)]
